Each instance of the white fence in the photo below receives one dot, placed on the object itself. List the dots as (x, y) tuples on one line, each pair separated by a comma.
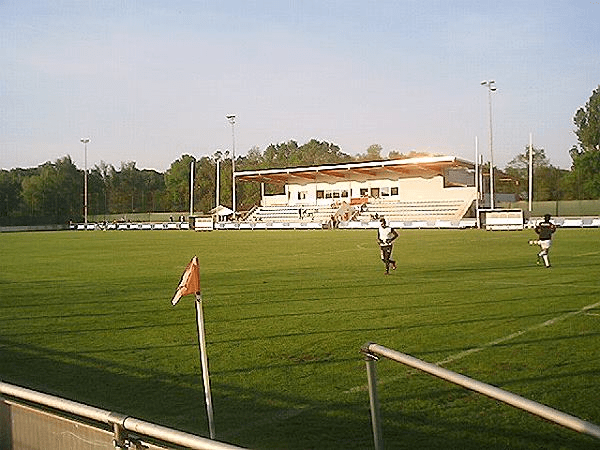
[(34, 427), (372, 352), (515, 222)]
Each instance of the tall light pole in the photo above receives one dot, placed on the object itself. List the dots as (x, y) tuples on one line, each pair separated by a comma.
[(530, 173), (231, 119), (491, 88), (85, 142), (192, 173), (218, 157)]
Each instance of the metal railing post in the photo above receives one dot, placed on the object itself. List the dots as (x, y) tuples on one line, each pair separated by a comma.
[(574, 423), (371, 362), (120, 435)]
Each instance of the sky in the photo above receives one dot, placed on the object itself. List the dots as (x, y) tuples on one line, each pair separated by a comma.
[(149, 81)]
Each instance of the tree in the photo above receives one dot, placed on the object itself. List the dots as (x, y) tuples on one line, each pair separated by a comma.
[(10, 195), (177, 184), (587, 121), (99, 183), (69, 189), (517, 171), (55, 191), (584, 179), (373, 153), (290, 154), (583, 182), (205, 182), (278, 156), (316, 152)]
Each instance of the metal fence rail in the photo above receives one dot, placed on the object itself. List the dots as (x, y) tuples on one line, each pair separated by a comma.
[(372, 352), (121, 424)]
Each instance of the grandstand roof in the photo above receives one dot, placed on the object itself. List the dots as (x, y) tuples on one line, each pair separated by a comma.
[(357, 171)]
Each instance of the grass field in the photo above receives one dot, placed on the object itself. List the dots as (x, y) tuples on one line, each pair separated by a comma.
[(87, 315)]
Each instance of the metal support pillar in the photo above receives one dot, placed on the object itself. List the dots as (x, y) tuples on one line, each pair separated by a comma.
[(371, 362)]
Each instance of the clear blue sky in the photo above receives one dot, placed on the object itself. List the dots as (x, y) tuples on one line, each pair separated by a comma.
[(149, 80)]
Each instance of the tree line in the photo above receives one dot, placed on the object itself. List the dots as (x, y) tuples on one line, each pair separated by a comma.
[(53, 191)]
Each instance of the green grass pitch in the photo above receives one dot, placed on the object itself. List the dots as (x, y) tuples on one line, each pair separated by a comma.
[(87, 316)]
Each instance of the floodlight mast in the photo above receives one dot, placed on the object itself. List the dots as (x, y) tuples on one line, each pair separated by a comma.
[(218, 158), (85, 142), (231, 119), (491, 88)]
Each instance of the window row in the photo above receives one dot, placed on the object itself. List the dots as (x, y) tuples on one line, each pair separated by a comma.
[(341, 193)]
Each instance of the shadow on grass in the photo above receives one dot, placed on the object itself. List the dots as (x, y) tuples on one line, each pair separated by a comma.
[(261, 420)]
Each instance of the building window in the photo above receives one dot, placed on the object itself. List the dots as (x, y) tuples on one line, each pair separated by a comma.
[(320, 194), (364, 192), (394, 191)]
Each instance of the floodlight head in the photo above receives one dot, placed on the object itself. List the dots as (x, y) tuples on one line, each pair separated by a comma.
[(85, 140), (230, 117)]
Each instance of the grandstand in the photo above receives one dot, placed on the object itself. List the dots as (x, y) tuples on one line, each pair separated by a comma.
[(429, 192)]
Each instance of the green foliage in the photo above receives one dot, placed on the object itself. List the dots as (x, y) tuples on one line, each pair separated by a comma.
[(373, 153), (290, 154), (286, 313), (549, 181), (127, 190), (584, 179), (587, 123), (177, 183), (54, 191), (10, 188)]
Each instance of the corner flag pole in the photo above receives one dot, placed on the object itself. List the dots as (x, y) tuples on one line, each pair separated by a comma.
[(204, 364), (190, 284)]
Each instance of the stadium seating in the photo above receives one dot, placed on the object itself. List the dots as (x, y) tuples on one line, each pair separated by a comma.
[(421, 214), (428, 211), (289, 214)]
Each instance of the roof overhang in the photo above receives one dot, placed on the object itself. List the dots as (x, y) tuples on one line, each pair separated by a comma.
[(357, 171)]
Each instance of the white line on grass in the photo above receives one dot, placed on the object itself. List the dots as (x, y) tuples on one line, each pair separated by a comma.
[(460, 355), (293, 412), (511, 336)]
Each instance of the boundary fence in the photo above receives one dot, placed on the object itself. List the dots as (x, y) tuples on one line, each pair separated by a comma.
[(201, 224), (372, 352), (36, 421)]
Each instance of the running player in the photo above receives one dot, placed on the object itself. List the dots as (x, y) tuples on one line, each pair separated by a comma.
[(386, 235), (544, 230)]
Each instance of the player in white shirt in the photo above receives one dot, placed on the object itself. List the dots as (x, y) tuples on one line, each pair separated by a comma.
[(386, 235)]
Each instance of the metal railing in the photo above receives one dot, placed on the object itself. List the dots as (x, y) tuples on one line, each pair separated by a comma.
[(121, 424), (372, 352)]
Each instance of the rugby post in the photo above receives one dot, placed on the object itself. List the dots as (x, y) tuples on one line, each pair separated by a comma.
[(190, 284)]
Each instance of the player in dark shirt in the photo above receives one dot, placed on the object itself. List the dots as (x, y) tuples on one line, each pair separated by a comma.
[(545, 230)]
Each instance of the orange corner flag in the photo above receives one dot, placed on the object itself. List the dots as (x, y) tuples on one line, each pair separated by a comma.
[(190, 281)]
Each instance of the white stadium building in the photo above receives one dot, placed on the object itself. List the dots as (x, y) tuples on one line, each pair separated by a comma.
[(417, 192)]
